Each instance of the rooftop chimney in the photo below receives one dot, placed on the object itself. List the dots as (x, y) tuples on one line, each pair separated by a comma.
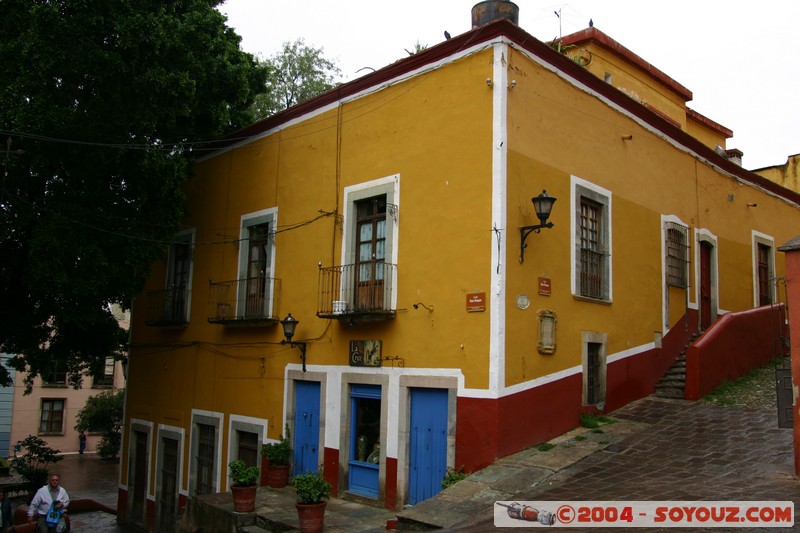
[(490, 10)]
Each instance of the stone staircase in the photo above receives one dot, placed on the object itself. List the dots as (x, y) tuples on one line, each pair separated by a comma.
[(673, 384)]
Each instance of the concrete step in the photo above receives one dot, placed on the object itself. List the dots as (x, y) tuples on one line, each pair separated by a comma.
[(669, 392)]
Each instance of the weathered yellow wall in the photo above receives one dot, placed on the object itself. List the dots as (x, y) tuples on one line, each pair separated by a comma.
[(406, 129), (633, 81), (787, 175), (705, 135), (556, 131)]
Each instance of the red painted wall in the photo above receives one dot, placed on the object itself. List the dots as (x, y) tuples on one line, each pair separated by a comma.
[(488, 429), (735, 344), (390, 501), (330, 469), (793, 300)]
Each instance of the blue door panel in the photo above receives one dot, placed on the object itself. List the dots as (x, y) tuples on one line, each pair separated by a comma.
[(363, 478), (306, 427), (428, 443)]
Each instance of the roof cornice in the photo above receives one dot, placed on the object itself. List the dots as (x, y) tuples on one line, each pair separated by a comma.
[(499, 29)]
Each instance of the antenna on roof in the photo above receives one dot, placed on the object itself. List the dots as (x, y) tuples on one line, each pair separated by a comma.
[(558, 14)]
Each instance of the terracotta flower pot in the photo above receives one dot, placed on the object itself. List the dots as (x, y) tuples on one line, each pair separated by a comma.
[(312, 516), (244, 499), (278, 476)]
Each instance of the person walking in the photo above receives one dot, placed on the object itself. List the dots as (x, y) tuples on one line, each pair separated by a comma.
[(82, 441), (49, 495)]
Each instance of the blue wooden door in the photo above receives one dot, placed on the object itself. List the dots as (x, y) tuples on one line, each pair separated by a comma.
[(427, 460), (365, 448), (306, 427)]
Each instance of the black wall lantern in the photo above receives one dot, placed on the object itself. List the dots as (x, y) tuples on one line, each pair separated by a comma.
[(542, 204), (289, 324)]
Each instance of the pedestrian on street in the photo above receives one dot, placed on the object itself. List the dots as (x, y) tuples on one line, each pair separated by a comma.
[(6, 516), (50, 494), (82, 441)]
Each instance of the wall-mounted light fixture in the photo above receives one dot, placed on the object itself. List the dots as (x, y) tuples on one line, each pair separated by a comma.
[(543, 204), (289, 324)]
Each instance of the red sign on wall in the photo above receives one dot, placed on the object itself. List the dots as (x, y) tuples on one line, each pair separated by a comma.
[(476, 301), (544, 286)]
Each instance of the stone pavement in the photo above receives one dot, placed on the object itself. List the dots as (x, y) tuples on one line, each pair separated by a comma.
[(657, 450), (85, 476), (676, 450)]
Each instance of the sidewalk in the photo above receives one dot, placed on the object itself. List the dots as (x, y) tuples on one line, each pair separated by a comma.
[(657, 450)]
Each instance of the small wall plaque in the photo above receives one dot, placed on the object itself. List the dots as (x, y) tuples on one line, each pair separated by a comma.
[(544, 286), (476, 302), (365, 353)]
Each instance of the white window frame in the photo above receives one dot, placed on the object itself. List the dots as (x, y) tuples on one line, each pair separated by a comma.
[(212, 419), (390, 186), (249, 220), (580, 189), (244, 423), (768, 241)]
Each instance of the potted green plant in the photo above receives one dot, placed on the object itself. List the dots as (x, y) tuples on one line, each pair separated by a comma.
[(312, 492), (243, 486), (279, 456)]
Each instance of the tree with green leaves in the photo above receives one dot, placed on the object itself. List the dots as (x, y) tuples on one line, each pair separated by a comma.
[(32, 456), (103, 106), (103, 413), (296, 73)]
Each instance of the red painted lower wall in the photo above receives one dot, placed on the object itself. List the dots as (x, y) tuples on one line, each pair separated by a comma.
[(734, 345), (487, 429), (330, 469), (390, 501)]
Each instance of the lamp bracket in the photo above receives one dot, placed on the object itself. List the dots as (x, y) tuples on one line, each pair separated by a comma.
[(302, 346), (524, 232)]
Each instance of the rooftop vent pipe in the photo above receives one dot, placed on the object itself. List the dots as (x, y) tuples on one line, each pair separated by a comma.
[(485, 12)]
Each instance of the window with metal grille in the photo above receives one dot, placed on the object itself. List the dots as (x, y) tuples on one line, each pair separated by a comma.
[(168, 493), (594, 367), (52, 416), (248, 447), (764, 269), (591, 255), (677, 250), (205, 459)]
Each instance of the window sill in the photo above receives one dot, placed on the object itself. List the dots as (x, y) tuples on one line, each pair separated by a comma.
[(54, 385), (51, 433), (591, 300)]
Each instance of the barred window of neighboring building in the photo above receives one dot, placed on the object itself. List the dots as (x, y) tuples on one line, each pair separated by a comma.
[(677, 250)]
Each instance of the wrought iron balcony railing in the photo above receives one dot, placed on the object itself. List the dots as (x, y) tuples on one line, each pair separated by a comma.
[(168, 307), (363, 291), (247, 301)]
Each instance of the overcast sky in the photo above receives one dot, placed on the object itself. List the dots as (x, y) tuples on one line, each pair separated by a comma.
[(738, 57)]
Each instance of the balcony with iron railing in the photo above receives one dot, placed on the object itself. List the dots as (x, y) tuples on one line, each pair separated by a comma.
[(168, 307), (244, 302), (358, 292)]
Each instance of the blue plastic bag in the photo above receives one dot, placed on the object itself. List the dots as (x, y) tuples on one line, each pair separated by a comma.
[(53, 515)]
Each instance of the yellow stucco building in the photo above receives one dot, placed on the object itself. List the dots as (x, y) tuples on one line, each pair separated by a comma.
[(385, 217)]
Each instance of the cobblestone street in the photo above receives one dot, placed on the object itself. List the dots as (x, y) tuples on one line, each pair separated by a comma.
[(85, 476)]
